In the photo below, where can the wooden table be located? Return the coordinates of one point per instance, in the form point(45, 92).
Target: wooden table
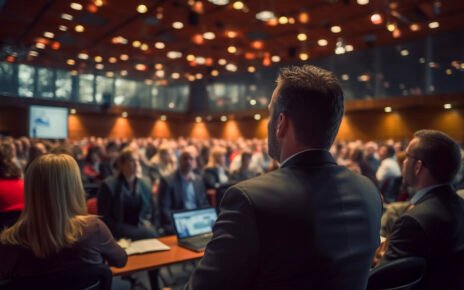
point(154, 260)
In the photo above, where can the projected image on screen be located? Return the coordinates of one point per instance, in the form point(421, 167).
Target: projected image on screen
point(48, 122)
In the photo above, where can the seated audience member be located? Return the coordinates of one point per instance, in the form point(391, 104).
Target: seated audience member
point(163, 162)
point(36, 150)
point(215, 174)
point(361, 166)
point(91, 169)
point(370, 155)
point(244, 172)
point(11, 187)
point(433, 225)
point(108, 164)
point(389, 167)
point(183, 189)
point(54, 231)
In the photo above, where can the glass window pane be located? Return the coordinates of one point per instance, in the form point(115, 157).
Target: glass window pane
point(45, 83)
point(125, 92)
point(63, 85)
point(104, 90)
point(26, 81)
point(171, 98)
point(86, 88)
point(7, 79)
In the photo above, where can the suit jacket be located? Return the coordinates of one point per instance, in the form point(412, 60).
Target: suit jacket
point(111, 207)
point(211, 177)
point(433, 229)
point(171, 197)
point(308, 225)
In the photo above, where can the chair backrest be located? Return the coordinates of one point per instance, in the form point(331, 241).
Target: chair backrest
point(401, 274)
point(9, 218)
point(92, 207)
point(391, 189)
point(83, 277)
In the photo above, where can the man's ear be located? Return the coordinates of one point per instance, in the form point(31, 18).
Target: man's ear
point(418, 167)
point(282, 126)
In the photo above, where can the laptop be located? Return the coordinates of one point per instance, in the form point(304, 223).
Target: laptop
point(194, 227)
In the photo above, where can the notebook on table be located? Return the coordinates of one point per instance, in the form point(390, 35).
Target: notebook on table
point(194, 227)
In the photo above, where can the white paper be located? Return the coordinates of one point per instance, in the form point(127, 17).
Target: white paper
point(145, 246)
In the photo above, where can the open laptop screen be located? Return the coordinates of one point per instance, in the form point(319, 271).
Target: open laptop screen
point(194, 222)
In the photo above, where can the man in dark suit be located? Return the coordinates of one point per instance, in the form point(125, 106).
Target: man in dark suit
point(433, 226)
point(183, 189)
point(310, 224)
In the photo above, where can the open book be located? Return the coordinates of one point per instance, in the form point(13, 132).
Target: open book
point(142, 246)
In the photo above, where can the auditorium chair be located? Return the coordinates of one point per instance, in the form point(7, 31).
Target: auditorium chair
point(401, 274)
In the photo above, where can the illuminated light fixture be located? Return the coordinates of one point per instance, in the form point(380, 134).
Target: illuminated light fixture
point(33, 53)
point(92, 8)
point(340, 50)
point(158, 66)
point(99, 66)
point(200, 60)
point(144, 47)
point(56, 45)
point(110, 74)
point(304, 56)
point(198, 119)
point(174, 54)
point(265, 15)
point(434, 25)
point(160, 45)
point(136, 43)
point(74, 72)
point(209, 118)
point(336, 29)
point(148, 82)
point(291, 20)
point(67, 16)
point(231, 67)
point(98, 3)
point(141, 8)
point(250, 55)
point(238, 5)
point(175, 75)
point(391, 26)
point(171, 105)
point(140, 67)
point(70, 62)
point(124, 115)
point(345, 77)
point(257, 44)
point(83, 56)
point(447, 106)
point(10, 58)
point(209, 35)
point(303, 17)
point(251, 69)
point(160, 74)
point(231, 34)
point(124, 57)
point(396, 33)
point(177, 25)
point(98, 58)
point(257, 117)
point(40, 45)
point(222, 61)
point(387, 109)
point(322, 42)
point(272, 22)
point(404, 52)
point(414, 27)
point(209, 61)
point(253, 102)
point(197, 6)
point(48, 34)
point(283, 20)
point(219, 2)
point(223, 118)
point(119, 39)
point(449, 71)
point(376, 19)
point(76, 6)
point(63, 28)
point(112, 59)
point(349, 48)
point(275, 58)
point(163, 118)
point(198, 39)
point(214, 73)
point(302, 37)
point(364, 78)
point(267, 60)
point(362, 2)
point(190, 57)
point(232, 49)
point(190, 78)
point(199, 76)
point(72, 111)
point(79, 28)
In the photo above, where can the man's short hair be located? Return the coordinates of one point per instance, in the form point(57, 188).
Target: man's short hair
point(312, 99)
point(390, 150)
point(440, 154)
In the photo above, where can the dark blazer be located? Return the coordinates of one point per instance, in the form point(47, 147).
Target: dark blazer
point(171, 197)
point(111, 207)
point(308, 225)
point(433, 229)
point(211, 177)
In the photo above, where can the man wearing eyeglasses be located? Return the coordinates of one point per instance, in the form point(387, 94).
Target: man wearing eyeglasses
point(433, 226)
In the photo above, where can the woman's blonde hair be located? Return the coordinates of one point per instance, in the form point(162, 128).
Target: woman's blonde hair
point(215, 154)
point(55, 210)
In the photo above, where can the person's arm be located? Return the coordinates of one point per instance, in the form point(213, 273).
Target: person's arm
point(110, 250)
point(407, 239)
point(231, 257)
point(165, 205)
point(202, 197)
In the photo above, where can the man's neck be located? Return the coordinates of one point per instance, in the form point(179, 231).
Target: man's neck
point(293, 150)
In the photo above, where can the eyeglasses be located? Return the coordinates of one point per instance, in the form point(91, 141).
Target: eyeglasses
point(414, 157)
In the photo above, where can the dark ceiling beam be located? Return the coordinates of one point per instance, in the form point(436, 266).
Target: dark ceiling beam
point(35, 20)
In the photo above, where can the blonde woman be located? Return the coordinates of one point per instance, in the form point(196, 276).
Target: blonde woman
point(54, 231)
point(215, 172)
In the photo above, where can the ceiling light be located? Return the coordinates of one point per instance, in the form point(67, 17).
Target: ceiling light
point(70, 62)
point(434, 24)
point(257, 117)
point(275, 58)
point(257, 44)
point(79, 28)
point(387, 109)
point(124, 73)
point(110, 74)
point(222, 61)
point(376, 19)
point(76, 6)
point(349, 48)
point(73, 111)
point(144, 47)
point(396, 33)
point(414, 27)
point(163, 118)
point(63, 28)
point(198, 76)
point(48, 34)
point(171, 105)
point(322, 42)
point(158, 66)
point(447, 106)
point(198, 119)
point(140, 67)
point(231, 49)
point(191, 78)
point(99, 66)
point(449, 71)
point(200, 60)
point(124, 57)
point(148, 82)
point(209, 35)
point(362, 2)
point(119, 40)
point(174, 54)
point(340, 50)
point(231, 34)
point(336, 29)
point(136, 43)
point(303, 17)
point(238, 5)
point(190, 57)
point(302, 37)
point(160, 74)
point(251, 69)
point(272, 22)
point(219, 2)
point(283, 20)
point(175, 75)
point(124, 115)
point(141, 8)
point(253, 102)
point(40, 45)
point(112, 59)
point(214, 73)
point(265, 15)
point(178, 25)
point(223, 118)
point(67, 16)
point(83, 56)
point(391, 26)
point(160, 45)
point(33, 53)
point(98, 3)
point(304, 56)
point(404, 52)
point(98, 58)
point(231, 67)
point(345, 77)
point(74, 72)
